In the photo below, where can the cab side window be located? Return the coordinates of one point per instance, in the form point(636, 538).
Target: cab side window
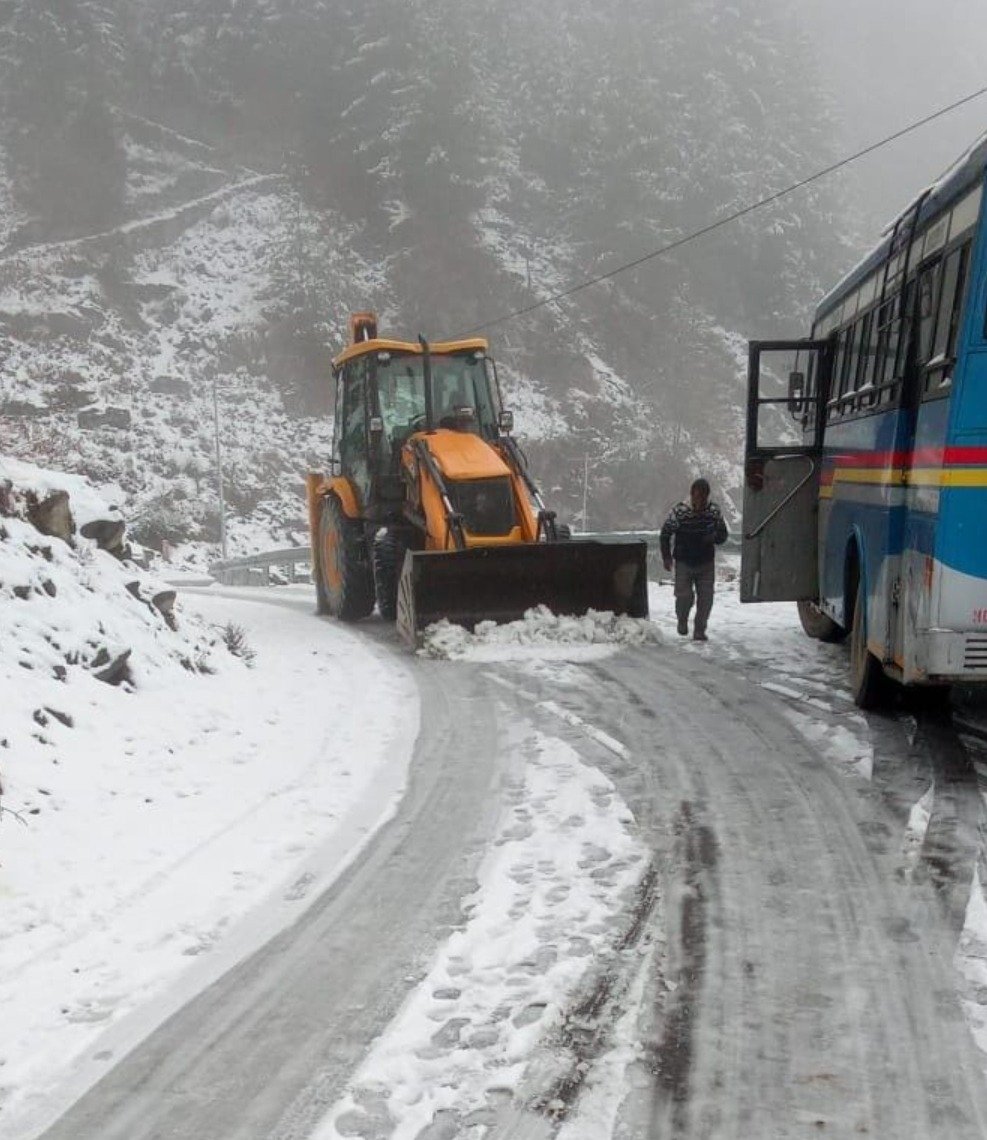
point(353, 432)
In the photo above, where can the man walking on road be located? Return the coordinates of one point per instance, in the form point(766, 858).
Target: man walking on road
point(696, 527)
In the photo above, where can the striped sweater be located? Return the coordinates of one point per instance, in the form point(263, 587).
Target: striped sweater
point(694, 534)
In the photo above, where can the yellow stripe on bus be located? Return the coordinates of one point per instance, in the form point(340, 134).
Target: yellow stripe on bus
point(880, 476)
point(917, 477)
point(955, 477)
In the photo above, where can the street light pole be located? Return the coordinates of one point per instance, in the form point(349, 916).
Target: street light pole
point(585, 489)
point(219, 467)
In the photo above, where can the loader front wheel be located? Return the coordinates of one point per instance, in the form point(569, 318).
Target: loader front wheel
point(388, 559)
point(346, 579)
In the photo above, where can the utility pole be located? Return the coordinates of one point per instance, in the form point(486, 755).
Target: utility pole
point(219, 466)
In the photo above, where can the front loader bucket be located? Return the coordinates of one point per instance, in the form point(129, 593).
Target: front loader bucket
point(500, 583)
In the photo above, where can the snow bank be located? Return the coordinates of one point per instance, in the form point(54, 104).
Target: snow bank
point(155, 833)
point(68, 610)
point(88, 502)
point(539, 633)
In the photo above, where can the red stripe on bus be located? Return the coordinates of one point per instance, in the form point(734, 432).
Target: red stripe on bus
point(921, 457)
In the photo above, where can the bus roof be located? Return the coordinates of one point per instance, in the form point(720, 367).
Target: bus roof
point(960, 177)
point(382, 344)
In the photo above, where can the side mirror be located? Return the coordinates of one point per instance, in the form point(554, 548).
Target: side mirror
point(796, 393)
point(505, 421)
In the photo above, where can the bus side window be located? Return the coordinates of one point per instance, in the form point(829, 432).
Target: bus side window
point(903, 329)
point(839, 367)
point(888, 348)
point(951, 303)
point(865, 371)
point(852, 368)
point(927, 282)
point(939, 373)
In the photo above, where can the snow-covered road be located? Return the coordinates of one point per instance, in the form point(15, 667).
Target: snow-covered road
point(657, 890)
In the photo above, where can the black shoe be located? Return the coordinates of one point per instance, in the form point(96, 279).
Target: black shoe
point(683, 627)
point(697, 636)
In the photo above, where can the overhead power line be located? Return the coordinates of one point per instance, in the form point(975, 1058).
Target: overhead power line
point(725, 221)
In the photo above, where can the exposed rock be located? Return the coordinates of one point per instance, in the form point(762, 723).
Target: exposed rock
point(23, 409)
point(164, 603)
point(6, 498)
point(68, 325)
point(170, 386)
point(117, 671)
point(52, 515)
point(70, 395)
point(139, 556)
point(103, 417)
point(106, 533)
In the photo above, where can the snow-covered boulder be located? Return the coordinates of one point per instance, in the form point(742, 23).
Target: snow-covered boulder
point(67, 605)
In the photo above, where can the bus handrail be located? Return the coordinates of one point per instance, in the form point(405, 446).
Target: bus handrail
point(788, 498)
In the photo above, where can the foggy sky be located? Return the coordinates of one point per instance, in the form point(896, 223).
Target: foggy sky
point(886, 63)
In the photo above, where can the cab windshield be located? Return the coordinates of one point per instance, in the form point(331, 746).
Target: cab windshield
point(458, 380)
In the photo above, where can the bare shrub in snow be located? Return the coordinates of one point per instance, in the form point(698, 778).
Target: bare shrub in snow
point(235, 641)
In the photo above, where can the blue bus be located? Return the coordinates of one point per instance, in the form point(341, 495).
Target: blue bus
point(865, 482)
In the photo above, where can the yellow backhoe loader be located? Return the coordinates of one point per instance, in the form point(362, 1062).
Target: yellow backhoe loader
point(429, 509)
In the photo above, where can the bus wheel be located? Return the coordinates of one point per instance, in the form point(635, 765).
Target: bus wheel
point(868, 682)
point(819, 625)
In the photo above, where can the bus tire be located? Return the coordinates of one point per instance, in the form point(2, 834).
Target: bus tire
point(868, 683)
point(819, 625)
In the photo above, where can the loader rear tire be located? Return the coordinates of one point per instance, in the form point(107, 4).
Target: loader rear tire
point(388, 559)
point(346, 579)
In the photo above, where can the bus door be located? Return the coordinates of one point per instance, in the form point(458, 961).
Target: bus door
point(788, 385)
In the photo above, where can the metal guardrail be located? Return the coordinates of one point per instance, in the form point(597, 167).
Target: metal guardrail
point(656, 570)
point(294, 563)
point(271, 567)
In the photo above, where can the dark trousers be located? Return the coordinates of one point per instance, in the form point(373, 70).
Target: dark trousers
point(694, 584)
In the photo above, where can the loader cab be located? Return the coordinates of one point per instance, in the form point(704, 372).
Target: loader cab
point(386, 391)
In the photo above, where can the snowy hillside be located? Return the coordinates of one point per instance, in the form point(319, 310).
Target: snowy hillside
point(140, 816)
point(77, 619)
point(205, 194)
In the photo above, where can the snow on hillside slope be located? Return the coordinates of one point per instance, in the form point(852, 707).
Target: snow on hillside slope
point(141, 825)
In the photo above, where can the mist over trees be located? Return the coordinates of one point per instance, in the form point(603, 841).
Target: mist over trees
point(450, 162)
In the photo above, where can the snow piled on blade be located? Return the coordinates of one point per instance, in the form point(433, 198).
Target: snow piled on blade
point(540, 633)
